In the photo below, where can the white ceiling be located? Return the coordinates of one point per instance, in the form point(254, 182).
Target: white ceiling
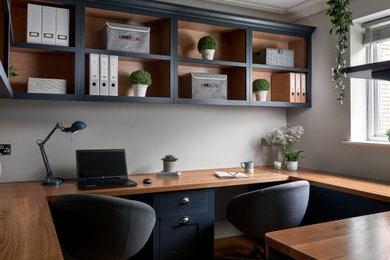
point(275, 6)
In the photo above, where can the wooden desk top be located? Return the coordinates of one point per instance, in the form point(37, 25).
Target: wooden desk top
point(365, 237)
point(24, 209)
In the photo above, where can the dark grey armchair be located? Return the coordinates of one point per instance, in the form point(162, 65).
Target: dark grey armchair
point(101, 227)
point(278, 207)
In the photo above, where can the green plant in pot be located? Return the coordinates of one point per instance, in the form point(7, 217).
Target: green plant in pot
point(140, 81)
point(261, 87)
point(11, 72)
point(285, 138)
point(169, 163)
point(388, 134)
point(207, 46)
point(341, 20)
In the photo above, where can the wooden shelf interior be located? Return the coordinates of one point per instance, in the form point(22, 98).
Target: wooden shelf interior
point(19, 18)
point(158, 69)
point(95, 19)
point(231, 41)
point(265, 74)
point(41, 64)
point(236, 82)
point(262, 40)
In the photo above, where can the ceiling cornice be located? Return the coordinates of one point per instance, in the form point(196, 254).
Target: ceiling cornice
point(251, 4)
point(305, 9)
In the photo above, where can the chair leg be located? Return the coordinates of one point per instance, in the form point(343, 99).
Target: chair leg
point(256, 252)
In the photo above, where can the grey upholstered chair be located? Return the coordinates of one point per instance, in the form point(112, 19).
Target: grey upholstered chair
point(101, 227)
point(277, 207)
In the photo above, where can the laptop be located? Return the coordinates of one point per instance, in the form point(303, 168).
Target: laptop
point(104, 168)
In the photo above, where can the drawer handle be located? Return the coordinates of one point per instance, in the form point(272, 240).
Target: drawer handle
point(184, 200)
point(184, 220)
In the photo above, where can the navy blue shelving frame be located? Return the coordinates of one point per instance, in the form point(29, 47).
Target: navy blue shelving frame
point(174, 13)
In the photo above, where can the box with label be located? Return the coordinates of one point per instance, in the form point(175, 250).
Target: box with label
point(276, 57)
point(125, 37)
point(48, 86)
point(204, 86)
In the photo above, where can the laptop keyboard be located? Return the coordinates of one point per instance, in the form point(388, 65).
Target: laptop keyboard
point(106, 184)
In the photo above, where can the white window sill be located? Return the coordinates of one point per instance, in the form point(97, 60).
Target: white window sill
point(367, 143)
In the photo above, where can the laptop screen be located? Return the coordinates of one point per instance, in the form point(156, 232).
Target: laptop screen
point(101, 163)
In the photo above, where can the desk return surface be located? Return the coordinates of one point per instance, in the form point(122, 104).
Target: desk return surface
point(27, 230)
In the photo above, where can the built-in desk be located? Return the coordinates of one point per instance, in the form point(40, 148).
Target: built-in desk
point(364, 237)
point(27, 231)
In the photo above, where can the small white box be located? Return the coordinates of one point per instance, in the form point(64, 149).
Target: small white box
point(48, 86)
point(113, 78)
point(34, 23)
point(103, 90)
point(48, 25)
point(94, 74)
point(62, 27)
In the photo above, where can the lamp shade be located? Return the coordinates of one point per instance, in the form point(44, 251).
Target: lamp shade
point(77, 126)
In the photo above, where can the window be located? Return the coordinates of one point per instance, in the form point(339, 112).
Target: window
point(377, 39)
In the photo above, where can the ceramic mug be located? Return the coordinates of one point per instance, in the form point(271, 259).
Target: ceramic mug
point(248, 166)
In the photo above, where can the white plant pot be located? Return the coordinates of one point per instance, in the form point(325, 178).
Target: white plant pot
point(292, 166)
point(261, 95)
point(169, 167)
point(388, 138)
point(207, 54)
point(139, 90)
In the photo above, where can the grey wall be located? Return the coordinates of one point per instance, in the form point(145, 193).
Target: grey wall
point(201, 136)
point(327, 123)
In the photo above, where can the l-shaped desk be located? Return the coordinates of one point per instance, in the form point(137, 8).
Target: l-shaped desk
point(27, 230)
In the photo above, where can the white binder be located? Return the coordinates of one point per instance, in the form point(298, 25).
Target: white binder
point(34, 23)
point(48, 25)
point(62, 27)
point(94, 74)
point(298, 87)
point(293, 94)
point(113, 78)
point(103, 90)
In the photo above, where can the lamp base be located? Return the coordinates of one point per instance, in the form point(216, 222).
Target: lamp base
point(52, 182)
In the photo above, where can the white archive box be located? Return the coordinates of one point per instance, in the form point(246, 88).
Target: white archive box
point(113, 78)
point(48, 86)
point(48, 25)
point(34, 23)
point(94, 74)
point(62, 27)
point(103, 80)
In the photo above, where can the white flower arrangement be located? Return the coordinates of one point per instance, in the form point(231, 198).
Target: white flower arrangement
point(285, 138)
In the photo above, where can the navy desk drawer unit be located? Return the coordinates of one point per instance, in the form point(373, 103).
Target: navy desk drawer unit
point(185, 225)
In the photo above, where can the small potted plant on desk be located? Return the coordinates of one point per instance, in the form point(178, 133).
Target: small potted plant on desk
point(388, 134)
point(140, 81)
point(207, 46)
point(169, 163)
point(261, 87)
point(285, 138)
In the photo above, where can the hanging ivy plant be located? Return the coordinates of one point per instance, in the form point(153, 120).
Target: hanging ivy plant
point(341, 19)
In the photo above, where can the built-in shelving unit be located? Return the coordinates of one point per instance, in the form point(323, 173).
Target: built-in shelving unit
point(174, 34)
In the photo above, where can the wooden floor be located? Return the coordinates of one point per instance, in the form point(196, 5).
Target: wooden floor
point(234, 247)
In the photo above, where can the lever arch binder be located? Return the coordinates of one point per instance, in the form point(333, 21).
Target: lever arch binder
point(48, 25)
point(283, 87)
point(113, 78)
point(298, 87)
point(303, 88)
point(103, 90)
point(94, 74)
point(34, 23)
point(62, 27)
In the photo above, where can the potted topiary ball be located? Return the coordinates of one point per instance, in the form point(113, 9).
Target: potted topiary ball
point(261, 87)
point(169, 163)
point(207, 46)
point(140, 81)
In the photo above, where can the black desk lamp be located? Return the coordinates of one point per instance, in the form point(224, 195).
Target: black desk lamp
point(76, 126)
